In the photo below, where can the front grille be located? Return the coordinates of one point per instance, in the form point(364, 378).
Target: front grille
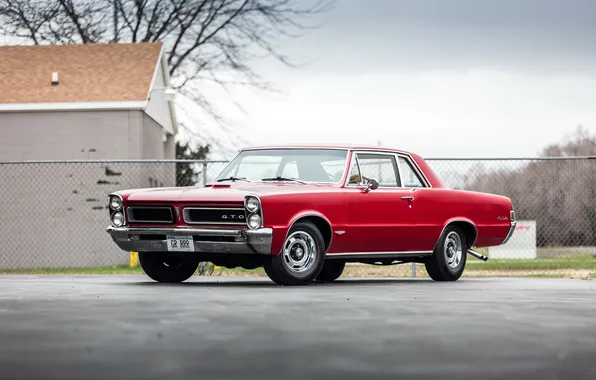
point(215, 215)
point(150, 214)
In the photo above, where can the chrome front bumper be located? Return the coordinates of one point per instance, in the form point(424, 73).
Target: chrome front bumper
point(205, 240)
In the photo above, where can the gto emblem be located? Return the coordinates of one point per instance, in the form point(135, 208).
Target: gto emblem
point(502, 218)
point(232, 216)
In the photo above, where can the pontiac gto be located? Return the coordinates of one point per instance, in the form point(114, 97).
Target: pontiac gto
point(302, 213)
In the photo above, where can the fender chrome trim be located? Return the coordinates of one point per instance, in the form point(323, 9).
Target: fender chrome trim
point(375, 255)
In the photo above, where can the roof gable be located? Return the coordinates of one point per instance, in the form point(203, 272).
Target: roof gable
point(113, 72)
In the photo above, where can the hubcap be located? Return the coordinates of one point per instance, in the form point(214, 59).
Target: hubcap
point(453, 249)
point(300, 252)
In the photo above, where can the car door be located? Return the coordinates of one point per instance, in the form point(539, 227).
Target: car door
point(379, 220)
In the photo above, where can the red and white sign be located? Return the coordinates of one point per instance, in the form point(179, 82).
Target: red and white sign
point(521, 245)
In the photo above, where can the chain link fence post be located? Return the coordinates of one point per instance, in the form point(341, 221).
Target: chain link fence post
point(205, 164)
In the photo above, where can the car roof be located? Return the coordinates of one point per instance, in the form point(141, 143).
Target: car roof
point(319, 146)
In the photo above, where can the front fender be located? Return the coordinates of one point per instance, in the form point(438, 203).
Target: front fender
point(280, 233)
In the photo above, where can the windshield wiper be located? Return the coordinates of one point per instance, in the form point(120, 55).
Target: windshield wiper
point(233, 179)
point(278, 178)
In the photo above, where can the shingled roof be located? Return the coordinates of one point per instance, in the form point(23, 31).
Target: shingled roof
point(112, 72)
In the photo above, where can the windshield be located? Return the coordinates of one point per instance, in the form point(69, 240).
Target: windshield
point(308, 165)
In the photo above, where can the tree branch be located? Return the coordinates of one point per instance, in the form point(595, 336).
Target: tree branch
point(205, 41)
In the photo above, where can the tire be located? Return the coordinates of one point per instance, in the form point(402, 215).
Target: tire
point(167, 267)
point(446, 264)
point(331, 271)
point(301, 258)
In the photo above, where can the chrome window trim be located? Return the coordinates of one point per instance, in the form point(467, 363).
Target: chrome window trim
point(186, 210)
point(347, 151)
point(401, 177)
point(355, 158)
point(130, 210)
point(425, 182)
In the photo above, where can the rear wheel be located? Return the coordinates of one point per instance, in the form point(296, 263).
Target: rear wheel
point(331, 271)
point(168, 267)
point(301, 258)
point(449, 258)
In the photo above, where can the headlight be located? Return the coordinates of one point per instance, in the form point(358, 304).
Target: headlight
point(115, 202)
point(252, 204)
point(254, 221)
point(118, 219)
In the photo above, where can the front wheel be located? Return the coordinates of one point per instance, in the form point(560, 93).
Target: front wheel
point(301, 258)
point(449, 258)
point(168, 267)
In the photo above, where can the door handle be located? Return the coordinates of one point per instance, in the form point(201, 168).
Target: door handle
point(408, 198)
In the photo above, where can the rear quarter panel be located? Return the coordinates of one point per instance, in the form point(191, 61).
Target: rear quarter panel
point(489, 213)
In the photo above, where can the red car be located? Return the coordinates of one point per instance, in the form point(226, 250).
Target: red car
point(303, 212)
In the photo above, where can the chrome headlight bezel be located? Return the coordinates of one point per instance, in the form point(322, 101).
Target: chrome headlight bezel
point(120, 217)
point(249, 210)
point(257, 219)
point(116, 206)
point(252, 204)
point(115, 202)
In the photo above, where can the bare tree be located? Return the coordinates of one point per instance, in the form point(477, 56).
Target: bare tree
point(205, 40)
point(559, 194)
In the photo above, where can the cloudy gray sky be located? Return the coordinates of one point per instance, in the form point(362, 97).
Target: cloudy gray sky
point(444, 78)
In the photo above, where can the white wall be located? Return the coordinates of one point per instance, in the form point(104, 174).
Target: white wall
point(158, 108)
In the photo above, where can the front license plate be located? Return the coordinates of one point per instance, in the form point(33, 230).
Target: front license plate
point(180, 243)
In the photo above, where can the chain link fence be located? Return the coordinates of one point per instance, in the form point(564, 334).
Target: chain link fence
point(54, 213)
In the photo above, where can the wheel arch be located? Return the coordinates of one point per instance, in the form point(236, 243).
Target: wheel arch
point(319, 220)
point(469, 228)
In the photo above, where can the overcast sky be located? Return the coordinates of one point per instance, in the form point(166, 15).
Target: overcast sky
point(444, 78)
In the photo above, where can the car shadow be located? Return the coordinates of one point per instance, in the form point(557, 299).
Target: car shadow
point(210, 282)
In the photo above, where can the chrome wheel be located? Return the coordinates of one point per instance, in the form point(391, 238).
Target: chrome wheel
point(300, 252)
point(453, 249)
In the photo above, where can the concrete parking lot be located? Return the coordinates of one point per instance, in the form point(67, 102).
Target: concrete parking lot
point(126, 327)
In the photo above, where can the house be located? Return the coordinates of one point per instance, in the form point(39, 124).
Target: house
point(101, 105)
point(91, 101)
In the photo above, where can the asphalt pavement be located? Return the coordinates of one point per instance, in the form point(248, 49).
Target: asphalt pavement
point(127, 327)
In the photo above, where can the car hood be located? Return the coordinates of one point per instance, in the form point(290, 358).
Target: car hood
point(220, 192)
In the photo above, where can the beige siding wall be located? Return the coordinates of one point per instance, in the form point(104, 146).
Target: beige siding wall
point(54, 214)
point(157, 146)
point(67, 135)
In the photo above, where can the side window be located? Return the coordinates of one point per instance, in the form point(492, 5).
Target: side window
point(381, 167)
point(408, 174)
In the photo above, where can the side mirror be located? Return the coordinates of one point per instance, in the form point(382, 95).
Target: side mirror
point(372, 184)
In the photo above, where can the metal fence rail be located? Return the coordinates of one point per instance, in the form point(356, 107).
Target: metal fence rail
point(54, 212)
